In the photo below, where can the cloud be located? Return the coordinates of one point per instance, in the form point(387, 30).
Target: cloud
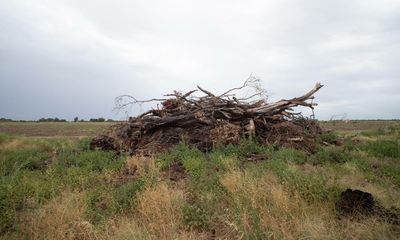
point(71, 58)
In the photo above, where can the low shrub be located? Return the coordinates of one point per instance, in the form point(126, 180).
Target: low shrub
point(195, 167)
point(194, 217)
point(330, 155)
point(99, 204)
point(178, 154)
point(124, 197)
point(312, 187)
point(329, 137)
point(103, 201)
point(12, 161)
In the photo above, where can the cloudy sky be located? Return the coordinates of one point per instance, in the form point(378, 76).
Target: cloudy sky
point(67, 58)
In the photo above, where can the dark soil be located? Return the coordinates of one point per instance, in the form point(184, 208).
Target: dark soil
point(356, 204)
point(175, 172)
point(355, 201)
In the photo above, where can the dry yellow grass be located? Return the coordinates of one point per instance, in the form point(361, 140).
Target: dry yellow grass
point(286, 216)
point(140, 165)
point(60, 218)
point(159, 208)
point(160, 212)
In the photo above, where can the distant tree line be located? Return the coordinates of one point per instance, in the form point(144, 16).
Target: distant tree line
point(51, 120)
point(6, 120)
point(94, 120)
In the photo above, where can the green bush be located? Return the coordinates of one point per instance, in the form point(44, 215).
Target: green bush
point(310, 187)
point(8, 204)
point(84, 144)
point(349, 145)
point(391, 171)
point(77, 177)
point(99, 204)
point(12, 161)
point(91, 160)
point(125, 196)
point(195, 167)
point(329, 137)
point(178, 154)
point(195, 217)
point(290, 155)
point(103, 202)
point(16, 189)
point(330, 155)
point(383, 148)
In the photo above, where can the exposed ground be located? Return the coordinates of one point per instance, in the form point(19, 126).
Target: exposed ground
point(56, 188)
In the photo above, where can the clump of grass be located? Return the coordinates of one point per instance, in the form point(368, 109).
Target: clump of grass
point(125, 195)
point(312, 187)
point(349, 145)
point(195, 217)
point(25, 191)
point(4, 138)
point(258, 205)
point(330, 155)
point(8, 206)
point(61, 218)
point(178, 154)
point(99, 204)
point(290, 155)
point(31, 159)
point(195, 167)
point(245, 147)
point(90, 160)
point(392, 171)
point(383, 148)
point(84, 144)
point(159, 208)
point(103, 202)
point(330, 137)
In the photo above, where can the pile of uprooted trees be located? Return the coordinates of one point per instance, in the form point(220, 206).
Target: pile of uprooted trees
point(210, 120)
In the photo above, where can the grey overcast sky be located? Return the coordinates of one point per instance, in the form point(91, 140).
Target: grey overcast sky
point(67, 58)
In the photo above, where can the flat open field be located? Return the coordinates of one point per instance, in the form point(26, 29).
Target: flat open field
point(52, 186)
point(357, 126)
point(53, 129)
point(89, 129)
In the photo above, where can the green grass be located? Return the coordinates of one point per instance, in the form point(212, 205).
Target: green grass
point(287, 194)
point(383, 148)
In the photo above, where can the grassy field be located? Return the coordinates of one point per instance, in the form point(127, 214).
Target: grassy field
point(358, 126)
point(56, 188)
point(53, 129)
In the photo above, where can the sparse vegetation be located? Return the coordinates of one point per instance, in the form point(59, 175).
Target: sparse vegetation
point(59, 189)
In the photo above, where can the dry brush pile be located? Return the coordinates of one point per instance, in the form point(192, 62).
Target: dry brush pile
point(214, 119)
